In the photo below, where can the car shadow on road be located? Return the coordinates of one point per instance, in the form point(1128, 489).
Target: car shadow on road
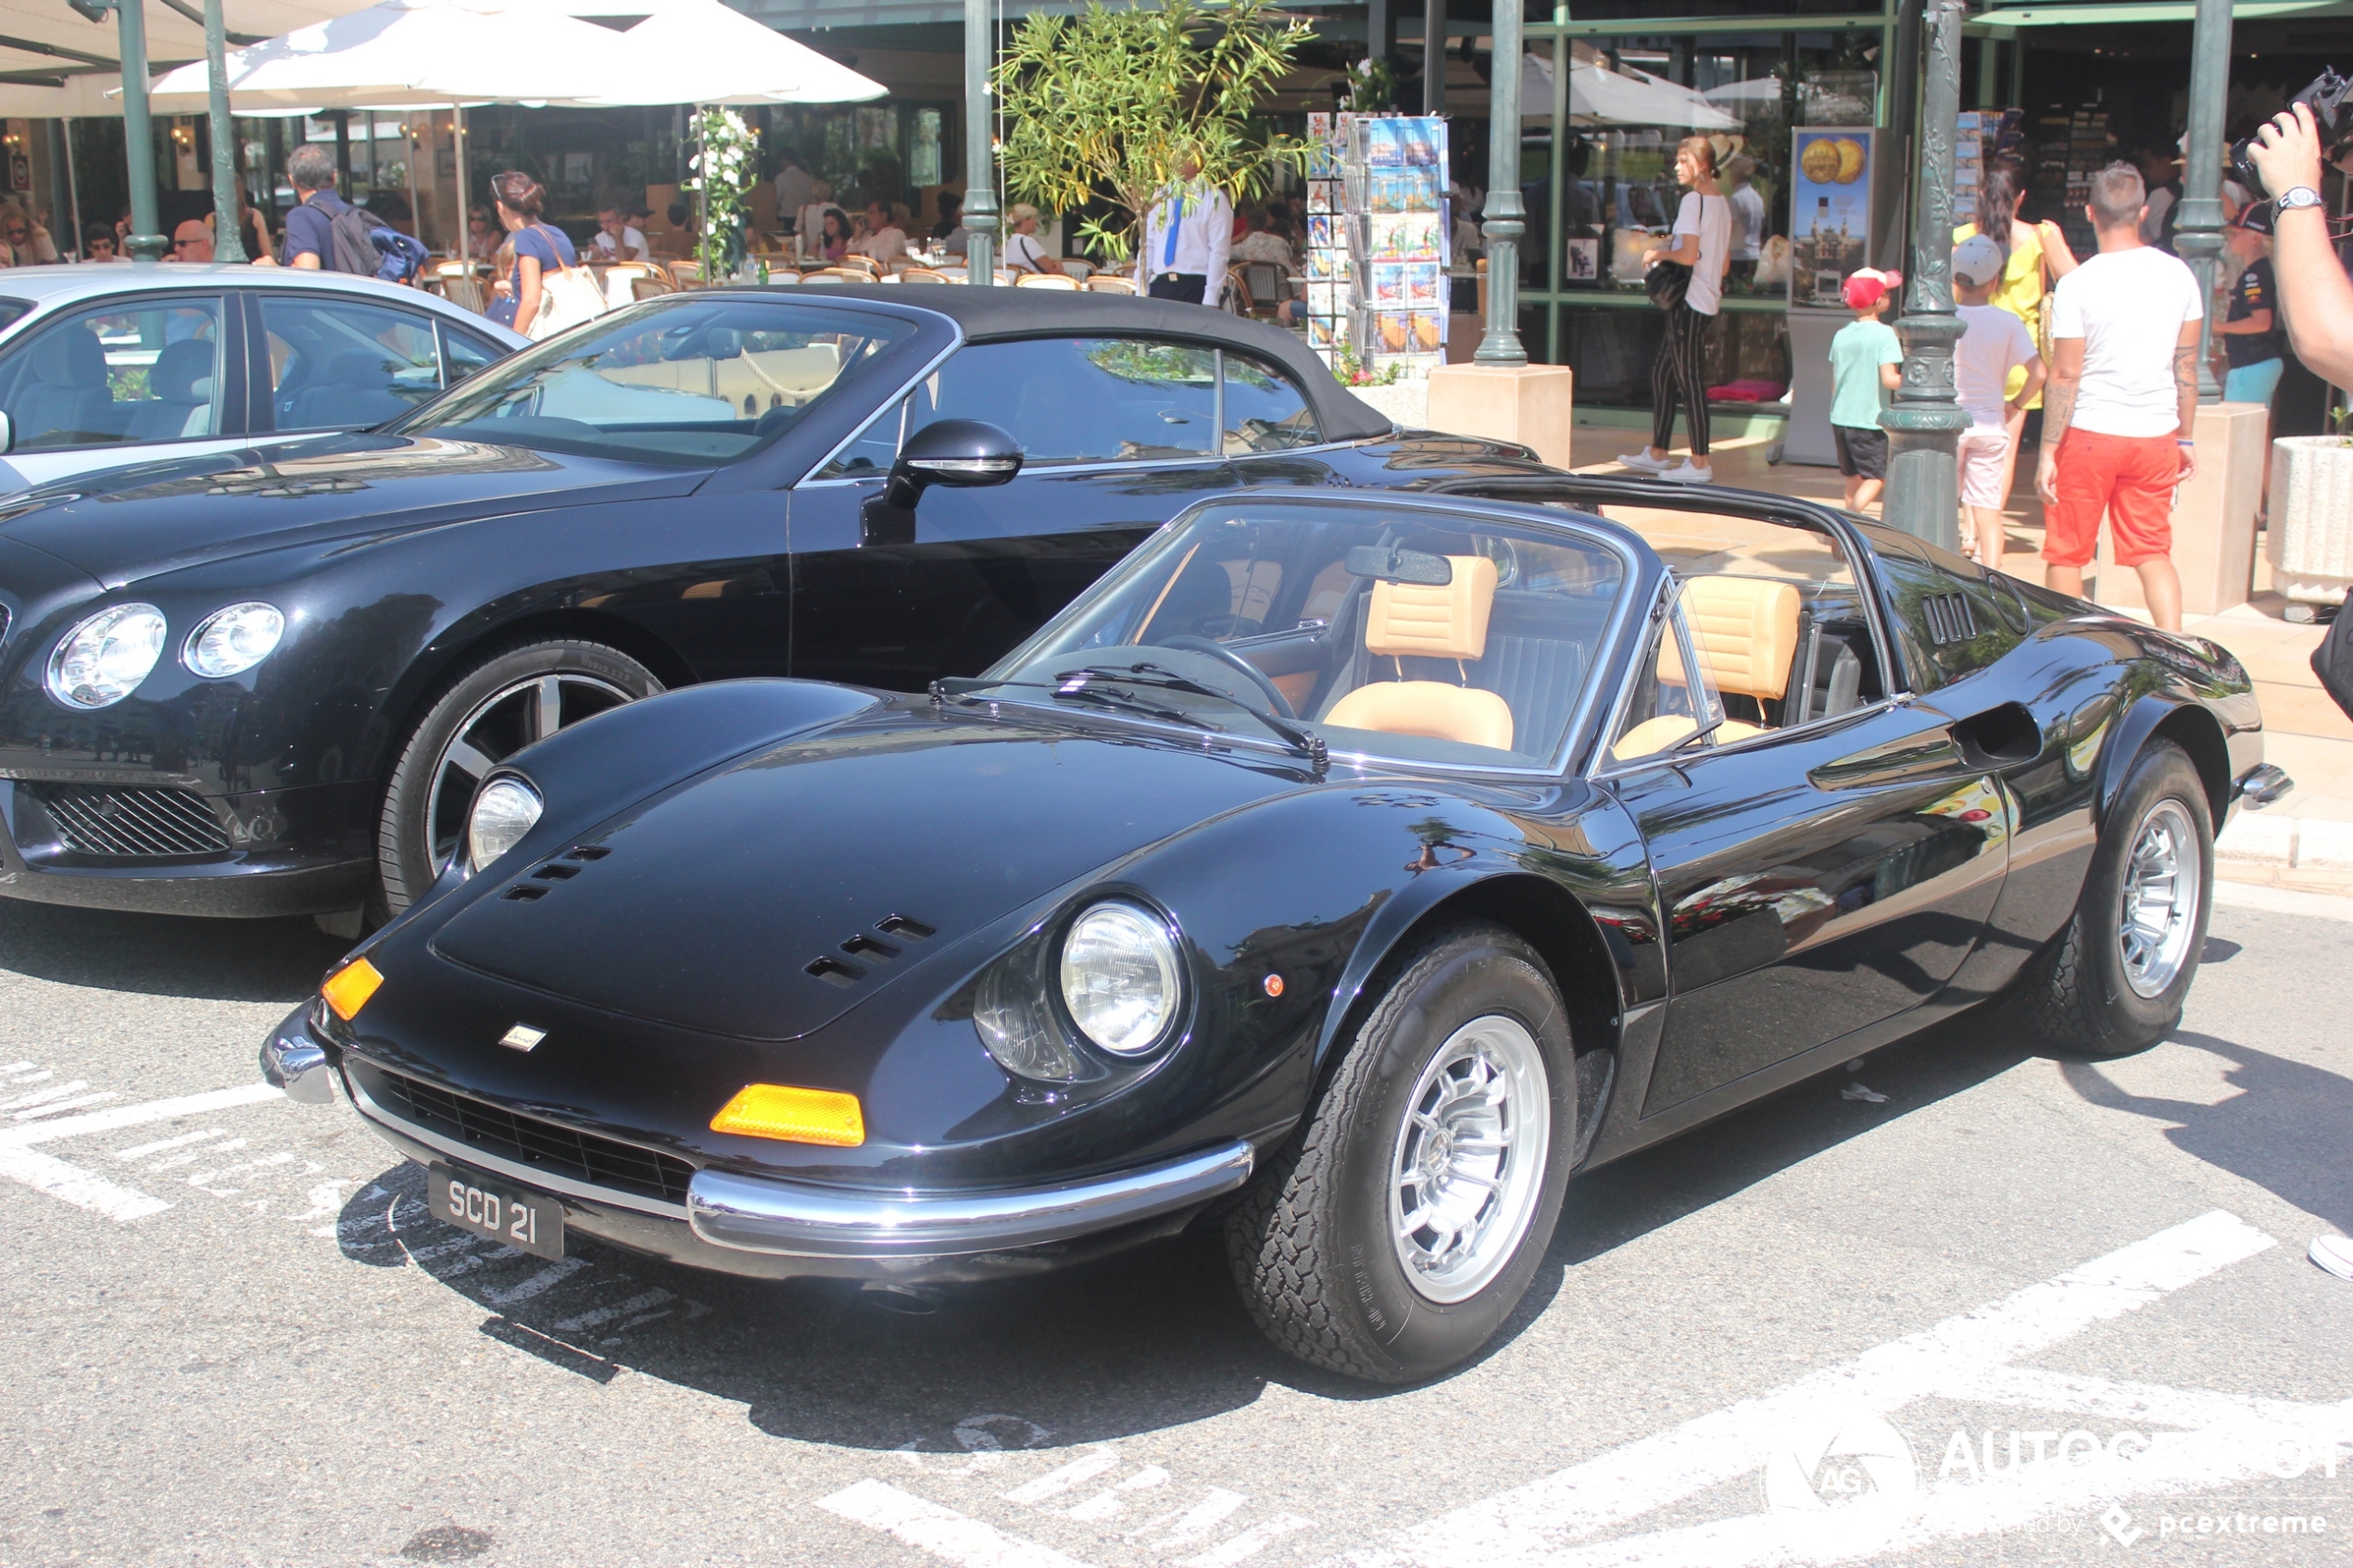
point(2284, 1128)
point(222, 960)
point(1153, 1338)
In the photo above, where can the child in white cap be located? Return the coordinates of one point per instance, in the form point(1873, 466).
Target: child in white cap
point(1993, 343)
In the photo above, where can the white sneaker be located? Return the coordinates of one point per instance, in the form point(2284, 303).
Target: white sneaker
point(2333, 1253)
point(1689, 474)
point(1643, 461)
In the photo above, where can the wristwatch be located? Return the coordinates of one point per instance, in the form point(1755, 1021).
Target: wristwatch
point(2302, 195)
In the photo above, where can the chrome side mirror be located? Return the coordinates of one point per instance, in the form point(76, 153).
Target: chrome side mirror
point(961, 454)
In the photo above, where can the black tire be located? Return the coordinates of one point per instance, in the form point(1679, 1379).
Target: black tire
point(1311, 1240)
point(2079, 995)
point(423, 791)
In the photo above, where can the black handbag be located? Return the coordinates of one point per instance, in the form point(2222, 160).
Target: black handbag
point(1666, 282)
point(2333, 660)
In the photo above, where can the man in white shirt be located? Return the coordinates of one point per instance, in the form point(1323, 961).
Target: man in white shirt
point(884, 241)
point(618, 240)
point(1993, 344)
point(795, 188)
point(1187, 235)
point(2122, 406)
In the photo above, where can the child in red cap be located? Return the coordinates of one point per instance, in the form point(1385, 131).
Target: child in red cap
point(1865, 357)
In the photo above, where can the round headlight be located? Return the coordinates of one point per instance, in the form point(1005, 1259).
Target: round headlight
point(233, 641)
point(1120, 978)
point(103, 660)
point(504, 812)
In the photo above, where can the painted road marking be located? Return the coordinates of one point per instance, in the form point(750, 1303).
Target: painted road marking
point(45, 1095)
point(87, 1189)
point(1534, 1523)
point(1077, 1472)
point(941, 1531)
point(83, 1190)
point(1250, 1543)
point(139, 1151)
point(136, 1115)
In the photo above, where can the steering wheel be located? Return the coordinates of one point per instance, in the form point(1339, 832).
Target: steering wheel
point(1226, 656)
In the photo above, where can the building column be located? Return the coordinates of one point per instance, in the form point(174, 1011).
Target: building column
point(1925, 423)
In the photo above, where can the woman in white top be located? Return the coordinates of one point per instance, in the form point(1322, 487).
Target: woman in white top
point(1703, 236)
point(1022, 253)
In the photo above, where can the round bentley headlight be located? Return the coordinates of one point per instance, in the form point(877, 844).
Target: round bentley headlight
point(103, 660)
point(1120, 978)
point(504, 812)
point(231, 641)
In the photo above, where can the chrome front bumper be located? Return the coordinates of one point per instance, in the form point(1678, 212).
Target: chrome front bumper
point(292, 1061)
point(756, 1214)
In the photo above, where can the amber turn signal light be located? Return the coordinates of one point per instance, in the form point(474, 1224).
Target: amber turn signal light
point(348, 988)
point(789, 1115)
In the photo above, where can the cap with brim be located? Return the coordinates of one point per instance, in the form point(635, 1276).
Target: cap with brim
point(1978, 260)
point(2255, 218)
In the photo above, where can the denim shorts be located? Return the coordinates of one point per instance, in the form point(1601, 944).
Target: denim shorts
point(2253, 383)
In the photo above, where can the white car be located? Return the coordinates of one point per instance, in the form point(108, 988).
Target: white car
point(105, 365)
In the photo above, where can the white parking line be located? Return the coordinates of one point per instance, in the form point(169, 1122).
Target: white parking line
point(1077, 1472)
point(45, 1095)
point(140, 1150)
point(941, 1531)
point(137, 1115)
point(83, 1190)
point(1534, 1522)
point(1249, 1542)
point(86, 1189)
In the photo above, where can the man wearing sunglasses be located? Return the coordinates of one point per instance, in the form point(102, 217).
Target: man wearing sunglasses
point(191, 241)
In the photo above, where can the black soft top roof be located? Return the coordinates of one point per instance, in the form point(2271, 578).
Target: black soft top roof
point(989, 314)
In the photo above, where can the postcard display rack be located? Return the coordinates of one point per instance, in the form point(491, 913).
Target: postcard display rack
point(1377, 231)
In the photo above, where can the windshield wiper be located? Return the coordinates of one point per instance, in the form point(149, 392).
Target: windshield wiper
point(1145, 674)
point(957, 688)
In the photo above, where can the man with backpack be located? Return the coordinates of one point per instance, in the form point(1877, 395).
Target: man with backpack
point(325, 232)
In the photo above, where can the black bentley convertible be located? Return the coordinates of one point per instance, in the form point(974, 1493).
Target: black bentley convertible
point(1346, 870)
point(269, 682)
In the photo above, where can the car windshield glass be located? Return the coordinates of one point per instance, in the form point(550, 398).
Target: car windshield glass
point(13, 310)
point(1422, 636)
point(690, 382)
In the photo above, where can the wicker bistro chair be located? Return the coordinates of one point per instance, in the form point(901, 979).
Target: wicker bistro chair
point(1263, 288)
point(686, 274)
point(1044, 281)
point(925, 275)
point(1104, 282)
point(650, 288)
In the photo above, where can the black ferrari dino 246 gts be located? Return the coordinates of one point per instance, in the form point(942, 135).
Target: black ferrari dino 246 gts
point(1344, 870)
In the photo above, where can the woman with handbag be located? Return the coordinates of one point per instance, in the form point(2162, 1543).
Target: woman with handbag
point(539, 251)
point(1686, 282)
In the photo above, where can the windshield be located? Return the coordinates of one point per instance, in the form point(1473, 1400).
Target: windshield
point(1422, 636)
point(684, 381)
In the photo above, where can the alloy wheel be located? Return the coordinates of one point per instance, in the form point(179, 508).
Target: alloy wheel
point(1470, 1158)
point(2163, 877)
point(500, 725)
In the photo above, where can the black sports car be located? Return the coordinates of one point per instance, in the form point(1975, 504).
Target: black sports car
point(268, 683)
point(1353, 868)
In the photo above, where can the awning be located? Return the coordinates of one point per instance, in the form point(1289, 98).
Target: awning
point(2099, 15)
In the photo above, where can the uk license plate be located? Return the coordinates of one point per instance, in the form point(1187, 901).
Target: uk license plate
point(524, 1221)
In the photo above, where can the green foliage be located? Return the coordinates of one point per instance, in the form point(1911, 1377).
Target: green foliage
point(1349, 370)
point(1112, 103)
point(724, 168)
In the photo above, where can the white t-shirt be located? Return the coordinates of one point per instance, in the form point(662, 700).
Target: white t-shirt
point(1993, 342)
point(1711, 218)
point(2128, 306)
point(1749, 207)
point(631, 247)
point(1022, 252)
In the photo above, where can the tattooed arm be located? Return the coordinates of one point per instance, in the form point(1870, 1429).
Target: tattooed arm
point(2058, 408)
point(2185, 392)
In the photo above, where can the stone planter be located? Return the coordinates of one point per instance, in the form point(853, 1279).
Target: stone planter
point(2312, 533)
point(1407, 402)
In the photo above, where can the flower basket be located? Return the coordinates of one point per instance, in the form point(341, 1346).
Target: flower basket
point(2311, 544)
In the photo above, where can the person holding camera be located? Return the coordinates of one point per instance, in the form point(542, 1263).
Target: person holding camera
point(2314, 294)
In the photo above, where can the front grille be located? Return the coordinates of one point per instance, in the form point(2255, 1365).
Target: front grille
point(526, 1140)
point(97, 821)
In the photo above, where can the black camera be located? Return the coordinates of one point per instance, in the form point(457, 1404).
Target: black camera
point(2330, 97)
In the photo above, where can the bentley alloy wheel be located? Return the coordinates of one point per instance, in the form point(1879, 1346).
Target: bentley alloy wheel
point(2160, 899)
point(2113, 981)
point(484, 714)
point(1394, 1233)
point(1471, 1158)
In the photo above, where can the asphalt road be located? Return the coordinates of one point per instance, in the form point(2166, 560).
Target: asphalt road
point(1814, 1332)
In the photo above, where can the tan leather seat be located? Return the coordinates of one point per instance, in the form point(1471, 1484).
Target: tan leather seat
point(1745, 629)
point(1417, 621)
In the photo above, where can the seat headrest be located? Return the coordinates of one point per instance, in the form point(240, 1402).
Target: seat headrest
point(1417, 621)
point(70, 357)
point(1746, 630)
point(357, 368)
point(182, 372)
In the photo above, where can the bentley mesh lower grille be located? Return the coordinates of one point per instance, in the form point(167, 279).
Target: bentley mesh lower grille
point(526, 1140)
point(98, 821)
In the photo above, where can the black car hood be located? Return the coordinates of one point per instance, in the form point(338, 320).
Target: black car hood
point(121, 525)
point(715, 897)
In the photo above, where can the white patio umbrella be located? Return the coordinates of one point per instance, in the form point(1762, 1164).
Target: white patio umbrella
point(1598, 95)
point(410, 54)
point(702, 52)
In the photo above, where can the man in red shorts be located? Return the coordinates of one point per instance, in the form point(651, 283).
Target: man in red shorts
point(2121, 403)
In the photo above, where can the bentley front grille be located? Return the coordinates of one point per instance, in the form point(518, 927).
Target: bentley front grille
point(94, 820)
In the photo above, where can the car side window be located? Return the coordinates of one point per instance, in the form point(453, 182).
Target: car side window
point(1949, 617)
point(346, 363)
point(117, 374)
point(1081, 401)
point(462, 354)
point(1264, 410)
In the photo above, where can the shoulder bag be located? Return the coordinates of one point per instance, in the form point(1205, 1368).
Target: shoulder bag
point(568, 295)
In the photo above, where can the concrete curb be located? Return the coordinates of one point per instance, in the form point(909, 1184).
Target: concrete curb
point(2288, 843)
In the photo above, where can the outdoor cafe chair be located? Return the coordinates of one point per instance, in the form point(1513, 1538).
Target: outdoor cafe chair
point(1105, 283)
point(1044, 281)
point(923, 275)
point(650, 288)
point(1263, 288)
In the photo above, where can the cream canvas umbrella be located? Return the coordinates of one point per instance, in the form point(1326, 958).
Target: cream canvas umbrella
point(702, 52)
point(1598, 95)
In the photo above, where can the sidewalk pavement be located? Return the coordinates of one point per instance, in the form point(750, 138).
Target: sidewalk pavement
point(2305, 840)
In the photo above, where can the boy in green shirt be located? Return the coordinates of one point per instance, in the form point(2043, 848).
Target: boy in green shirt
point(1865, 357)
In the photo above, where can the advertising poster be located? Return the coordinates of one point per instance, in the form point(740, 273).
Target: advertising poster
point(1829, 212)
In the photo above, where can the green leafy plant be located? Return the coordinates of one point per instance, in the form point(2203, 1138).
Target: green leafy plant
point(1349, 370)
point(1111, 106)
point(725, 159)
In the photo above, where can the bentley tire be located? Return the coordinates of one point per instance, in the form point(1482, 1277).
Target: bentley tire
point(2114, 981)
point(488, 710)
point(1399, 1227)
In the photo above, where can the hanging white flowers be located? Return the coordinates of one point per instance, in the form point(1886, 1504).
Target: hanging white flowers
point(726, 154)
